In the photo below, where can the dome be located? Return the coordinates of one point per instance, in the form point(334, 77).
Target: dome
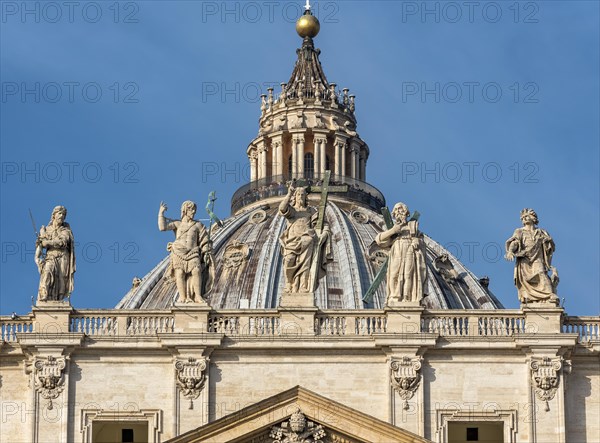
point(307, 133)
point(249, 265)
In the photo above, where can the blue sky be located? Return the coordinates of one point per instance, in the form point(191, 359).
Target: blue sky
point(470, 115)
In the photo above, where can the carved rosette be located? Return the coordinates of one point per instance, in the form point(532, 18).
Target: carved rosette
point(545, 378)
point(49, 377)
point(190, 377)
point(405, 377)
point(298, 429)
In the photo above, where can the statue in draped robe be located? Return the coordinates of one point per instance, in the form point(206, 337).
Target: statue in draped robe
point(407, 272)
point(55, 258)
point(533, 248)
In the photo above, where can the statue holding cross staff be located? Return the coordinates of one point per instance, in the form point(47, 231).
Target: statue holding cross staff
point(302, 241)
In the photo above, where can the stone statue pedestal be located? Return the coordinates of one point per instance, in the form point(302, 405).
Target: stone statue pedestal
point(54, 304)
point(52, 316)
point(394, 303)
point(191, 317)
point(297, 314)
point(404, 318)
point(297, 300)
point(202, 303)
point(543, 317)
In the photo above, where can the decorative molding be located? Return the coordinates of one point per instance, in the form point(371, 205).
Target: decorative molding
point(507, 416)
point(151, 416)
point(405, 377)
point(298, 429)
point(190, 377)
point(49, 377)
point(545, 377)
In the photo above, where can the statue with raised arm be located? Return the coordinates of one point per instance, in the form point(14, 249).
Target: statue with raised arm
point(407, 272)
point(300, 241)
point(533, 248)
point(191, 264)
point(55, 258)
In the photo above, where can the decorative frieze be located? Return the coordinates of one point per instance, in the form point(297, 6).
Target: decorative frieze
point(49, 377)
point(405, 377)
point(190, 377)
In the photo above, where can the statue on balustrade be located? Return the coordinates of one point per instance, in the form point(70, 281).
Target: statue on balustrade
point(192, 265)
point(533, 248)
point(303, 246)
point(407, 272)
point(55, 258)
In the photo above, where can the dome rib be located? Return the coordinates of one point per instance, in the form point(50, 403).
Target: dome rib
point(259, 278)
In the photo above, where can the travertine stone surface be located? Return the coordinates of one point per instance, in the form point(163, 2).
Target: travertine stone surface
point(151, 374)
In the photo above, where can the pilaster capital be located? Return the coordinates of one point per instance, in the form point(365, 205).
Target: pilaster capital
point(298, 138)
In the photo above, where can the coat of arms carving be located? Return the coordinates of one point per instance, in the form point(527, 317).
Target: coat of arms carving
point(49, 377)
point(190, 377)
point(545, 378)
point(406, 377)
point(298, 429)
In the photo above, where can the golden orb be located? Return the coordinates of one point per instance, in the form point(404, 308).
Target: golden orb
point(308, 26)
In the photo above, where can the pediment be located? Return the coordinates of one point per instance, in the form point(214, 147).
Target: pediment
point(298, 415)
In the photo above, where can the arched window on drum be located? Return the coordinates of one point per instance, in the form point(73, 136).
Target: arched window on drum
point(309, 165)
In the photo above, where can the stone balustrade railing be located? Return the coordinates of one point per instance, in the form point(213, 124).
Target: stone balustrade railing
point(120, 322)
point(350, 322)
point(95, 322)
point(253, 323)
point(588, 328)
point(505, 323)
point(269, 323)
point(10, 326)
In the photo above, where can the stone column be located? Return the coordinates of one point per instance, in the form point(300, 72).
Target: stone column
point(317, 156)
point(355, 147)
point(253, 166)
point(263, 163)
point(294, 171)
point(340, 155)
point(344, 149)
point(261, 170)
point(323, 157)
point(321, 139)
point(277, 143)
point(300, 156)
